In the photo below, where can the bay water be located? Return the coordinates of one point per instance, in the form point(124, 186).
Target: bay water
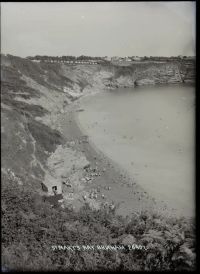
point(150, 133)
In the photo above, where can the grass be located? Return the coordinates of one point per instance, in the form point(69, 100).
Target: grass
point(47, 138)
point(31, 227)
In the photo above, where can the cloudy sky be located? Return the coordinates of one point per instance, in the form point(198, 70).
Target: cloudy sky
point(98, 28)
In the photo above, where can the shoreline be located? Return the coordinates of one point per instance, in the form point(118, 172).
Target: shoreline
point(128, 196)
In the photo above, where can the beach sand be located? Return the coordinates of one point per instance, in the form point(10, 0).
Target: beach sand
point(114, 184)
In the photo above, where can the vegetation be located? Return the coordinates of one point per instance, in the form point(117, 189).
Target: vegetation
point(30, 227)
point(63, 58)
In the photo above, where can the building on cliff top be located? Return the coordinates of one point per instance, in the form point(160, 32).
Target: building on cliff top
point(136, 58)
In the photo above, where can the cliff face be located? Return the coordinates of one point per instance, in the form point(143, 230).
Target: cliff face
point(34, 95)
point(153, 73)
point(78, 79)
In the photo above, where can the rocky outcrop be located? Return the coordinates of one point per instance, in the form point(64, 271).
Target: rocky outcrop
point(187, 70)
point(143, 82)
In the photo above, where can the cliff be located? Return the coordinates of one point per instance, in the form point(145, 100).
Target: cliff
point(34, 95)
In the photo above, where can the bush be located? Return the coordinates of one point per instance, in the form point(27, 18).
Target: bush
point(30, 227)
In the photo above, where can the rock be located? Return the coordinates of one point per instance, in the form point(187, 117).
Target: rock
point(86, 166)
point(79, 110)
point(63, 176)
point(72, 143)
point(112, 206)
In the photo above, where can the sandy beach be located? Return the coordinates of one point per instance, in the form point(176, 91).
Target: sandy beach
point(114, 184)
point(148, 132)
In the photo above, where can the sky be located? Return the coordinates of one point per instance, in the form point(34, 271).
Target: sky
point(98, 28)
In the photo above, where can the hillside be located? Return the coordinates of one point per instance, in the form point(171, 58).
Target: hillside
point(34, 98)
point(34, 95)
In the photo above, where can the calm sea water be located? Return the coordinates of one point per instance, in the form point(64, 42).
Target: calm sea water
point(150, 133)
